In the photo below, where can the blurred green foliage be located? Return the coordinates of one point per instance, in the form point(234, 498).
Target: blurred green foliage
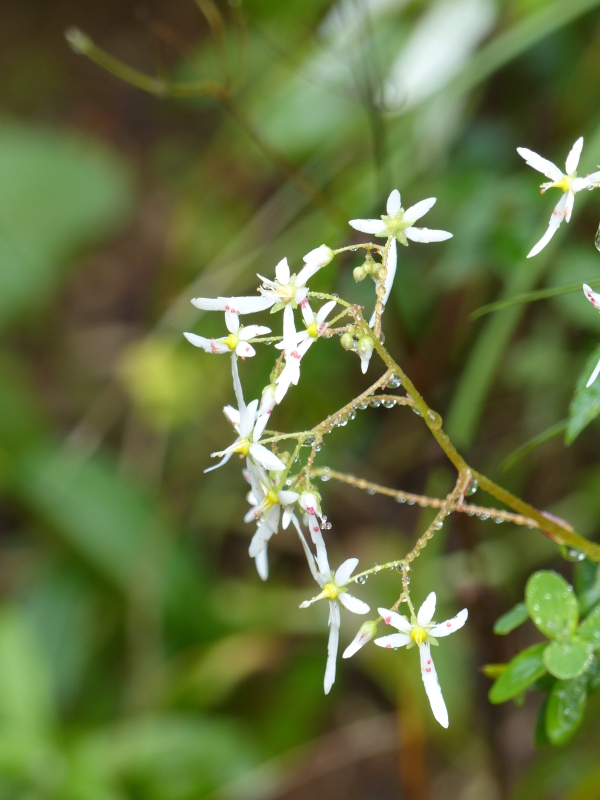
point(140, 656)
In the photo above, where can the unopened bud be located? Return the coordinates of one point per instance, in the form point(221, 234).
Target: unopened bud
point(365, 633)
point(319, 257)
point(267, 400)
point(359, 274)
point(365, 351)
point(347, 341)
point(310, 502)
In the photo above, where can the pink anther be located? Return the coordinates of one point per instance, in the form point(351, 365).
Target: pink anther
point(388, 646)
point(387, 620)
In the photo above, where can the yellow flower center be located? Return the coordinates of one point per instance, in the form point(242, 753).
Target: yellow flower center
point(313, 330)
point(271, 498)
point(243, 447)
point(231, 341)
point(418, 635)
point(330, 590)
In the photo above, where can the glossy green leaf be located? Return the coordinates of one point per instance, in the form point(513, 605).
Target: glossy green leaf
point(59, 192)
point(564, 712)
point(593, 676)
point(552, 604)
point(589, 630)
point(568, 659)
point(520, 673)
point(512, 619)
point(585, 405)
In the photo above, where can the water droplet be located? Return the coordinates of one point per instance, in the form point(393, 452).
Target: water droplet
point(389, 403)
point(362, 406)
point(362, 580)
point(375, 403)
point(434, 419)
point(394, 382)
point(371, 492)
point(498, 520)
point(289, 482)
point(415, 411)
point(401, 499)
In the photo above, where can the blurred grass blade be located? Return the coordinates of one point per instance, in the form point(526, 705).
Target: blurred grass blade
point(585, 405)
point(532, 444)
point(531, 297)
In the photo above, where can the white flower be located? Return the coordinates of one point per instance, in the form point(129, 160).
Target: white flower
point(333, 586)
point(423, 633)
point(319, 257)
point(567, 181)
point(287, 288)
point(249, 427)
point(293, 355)
point(267, 501)
point(399, 223)
point(236, 341)
point(365, 633)
point(594, 299)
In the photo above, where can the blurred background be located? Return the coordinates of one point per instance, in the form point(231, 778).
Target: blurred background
point(141, 658)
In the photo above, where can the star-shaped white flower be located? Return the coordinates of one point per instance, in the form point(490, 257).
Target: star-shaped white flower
point(333, 588)
point(249, 427)
point(423, 633)
point(594, 299)
point(237, 341)
point(286, 288)
point(268, 501)
point(567, 181)
point(293, 355)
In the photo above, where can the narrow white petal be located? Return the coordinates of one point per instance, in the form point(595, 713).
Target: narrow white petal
point(375, 227)
point(419, 210)
point(569, 206)
point(262, 536)
point(317, 537)
point(289, 328)
point(232, 321)
point(244, 350)
point(259, 427)
point(309, 556)
point(237, 388)
point(427, 610)
point(432, 686)
point(233, 416)
point(240, 305)
point(332, 645)
point(262, 564)
point(221, 463)
point(247, 419)
point(265, 457)
point(395, 620)
point(283, 384)
point(391, 270)
point(251, 514)
point(542, 165)
point(353, 604)
point(542, 242)
point(393, 203)
point(574, 156)
point(250, 331)
point(592, 296)
point(345, 570)
point(325, 310)
point(287, 498)
point(286, 518)
point(210, 303)
point(594, 375)
point(364, 635)
point(393, 640)
point(308, 315)
point(282, 271)
point(450, 625)
point(208, 345)
point(305, 274)
point(582, 183)
point(425, 235)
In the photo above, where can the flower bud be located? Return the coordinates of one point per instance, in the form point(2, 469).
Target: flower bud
point(365, 633)
point(319, 257)
point(365, 351)
point(267, 400)
point(311, 503)
point(359, 274)
point(347, 341)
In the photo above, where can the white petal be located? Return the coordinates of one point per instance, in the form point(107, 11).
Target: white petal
point(287, 517)
point(317, 537)
point(432, 686)
point(283, 384)
point(251, 514)
point(265, 530)
point(289, 328)
point(221, 463)
point(210, 303)
point(364, 635)
point(282, 271)
point(237, 388)
point(332, 645)
point(244, 350)
point(259, 426)
point(396, 620)
point(542, 242)
point(376, 227)
point(308, 315)
point(265, 457)
point(305, 274)
point(391, 270)
point(287, 498)
point(542, 165)
point(208, 345)
point(594, 375)
point(345, 570)
point(592, 296)
point(427, 610)
point(233, 416)
point(419, 210)
point(250, 331)
point(325, 310)
point(241, 305)
point(425, 235)
point(393, 203)
point(569, 206)
point(262, 564)
point(247, 418)
point(393, 640)
point(232, 321)
point(451, 625)
point(353, 604)
point(309, 556)
point(574, 156)
point(583, 183)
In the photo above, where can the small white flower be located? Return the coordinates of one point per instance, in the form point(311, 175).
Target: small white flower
point(316, 324)
point(333, 588)
point(249, 427)
point(287, 289)
point(237, 340)
point(423, 633)
point(268, 501)
point(594, 299)
point(293, 355)
point(365, 633)
point(567, 181)
point(399, 223)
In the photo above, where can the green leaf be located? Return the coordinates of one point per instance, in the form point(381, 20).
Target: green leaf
point(552, 605)
point(568, 659)
point(512, 619)
point(564, 712)
point(593, 676)
point(589, 630)
point(59, 192)
point(540, 736)
point(585, 405)
point(520, 673)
